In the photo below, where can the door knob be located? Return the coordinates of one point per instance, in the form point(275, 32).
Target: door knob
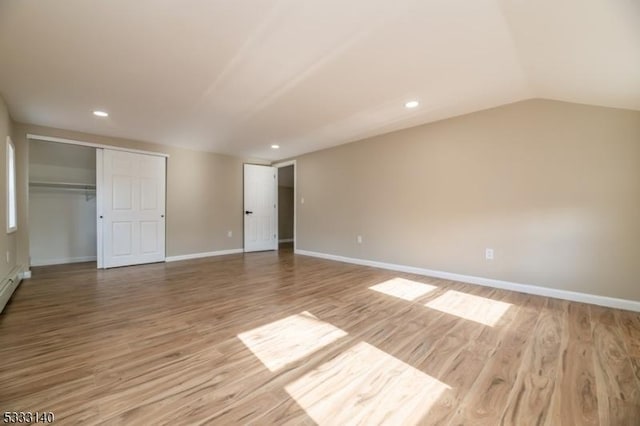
point(248, 212)
point(161, 215)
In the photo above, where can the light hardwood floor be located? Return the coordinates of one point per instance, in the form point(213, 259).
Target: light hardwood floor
point(274, 338)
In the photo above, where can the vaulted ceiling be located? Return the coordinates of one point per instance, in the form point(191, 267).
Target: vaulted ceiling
point(235, 76)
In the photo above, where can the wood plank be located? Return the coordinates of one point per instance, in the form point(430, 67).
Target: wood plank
point(618, 393)
point(575, 399)
point(629, 323)
point(487, 399)
point(530, 399)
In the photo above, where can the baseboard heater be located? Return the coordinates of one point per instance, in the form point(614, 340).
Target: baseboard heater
point(8, 286)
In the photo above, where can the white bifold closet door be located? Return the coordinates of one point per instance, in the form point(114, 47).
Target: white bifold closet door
point(132, 207)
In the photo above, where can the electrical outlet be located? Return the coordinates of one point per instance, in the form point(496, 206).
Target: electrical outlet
point(302, 200)
point(359, 239)
point(8, 256)
point(229, 234)
point(488, 254)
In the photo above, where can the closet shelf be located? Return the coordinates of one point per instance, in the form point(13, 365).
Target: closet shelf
point(65, 185)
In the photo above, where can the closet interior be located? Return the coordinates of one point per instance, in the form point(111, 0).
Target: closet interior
point(62, 203)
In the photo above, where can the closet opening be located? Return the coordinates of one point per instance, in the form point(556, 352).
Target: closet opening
point(95, 203)
point(62, 203)
point(286, 205)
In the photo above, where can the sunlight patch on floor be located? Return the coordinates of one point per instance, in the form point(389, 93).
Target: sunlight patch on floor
point(365, 385)
point(403, 288)
point(289, 339)
point(474, 308)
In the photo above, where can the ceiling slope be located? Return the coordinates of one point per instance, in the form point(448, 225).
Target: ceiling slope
point(237, 76)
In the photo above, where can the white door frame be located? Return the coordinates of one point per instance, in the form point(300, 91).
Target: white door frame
point(99, 207)
point(295, 195)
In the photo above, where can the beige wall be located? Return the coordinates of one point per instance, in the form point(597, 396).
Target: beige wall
point(285, 212)
point(552, 187)
point(204, 193)
point(8, 242)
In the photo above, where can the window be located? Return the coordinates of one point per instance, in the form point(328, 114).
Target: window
point(12, 210)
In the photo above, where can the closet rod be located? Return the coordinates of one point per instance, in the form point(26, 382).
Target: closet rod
point(65, 185)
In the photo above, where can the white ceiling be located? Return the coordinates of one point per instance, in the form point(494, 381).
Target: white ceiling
point(235, 76)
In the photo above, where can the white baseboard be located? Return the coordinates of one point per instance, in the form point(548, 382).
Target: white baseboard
point(47, 262)
point(201, 255)
point(611, 302)
point(286, 240)
point(26, 275)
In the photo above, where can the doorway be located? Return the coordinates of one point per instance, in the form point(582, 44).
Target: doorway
point(286, 205)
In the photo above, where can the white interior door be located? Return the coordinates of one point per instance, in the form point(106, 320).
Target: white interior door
point(133, 208)
point(260, 208)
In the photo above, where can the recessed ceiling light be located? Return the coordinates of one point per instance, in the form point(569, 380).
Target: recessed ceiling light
point(100, 114)
point(274, 146)
point(411, 104)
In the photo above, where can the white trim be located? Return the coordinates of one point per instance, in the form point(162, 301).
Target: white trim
point(65, 260)
point(11, 192)
point(93, 145)
point(293, 163)
point(201, 255)
point(611, 302)
point(286, 240)
point(284, 164)
point(26, 275)
point(99, 210)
